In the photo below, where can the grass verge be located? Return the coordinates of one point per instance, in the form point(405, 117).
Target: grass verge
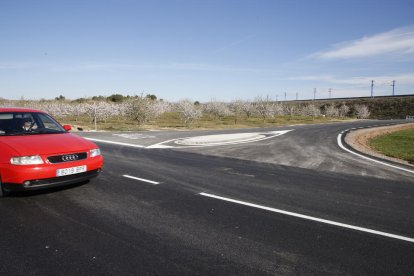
point(399, 144)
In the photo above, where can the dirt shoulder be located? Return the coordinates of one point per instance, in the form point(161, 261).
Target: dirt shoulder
point(359, 139)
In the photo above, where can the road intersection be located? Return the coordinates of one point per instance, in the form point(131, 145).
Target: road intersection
point(294, 203)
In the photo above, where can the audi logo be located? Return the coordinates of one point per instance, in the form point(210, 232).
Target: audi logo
point(69, 157)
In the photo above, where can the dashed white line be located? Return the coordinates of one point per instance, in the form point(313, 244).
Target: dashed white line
point(339, 224)
point(115, 143)
point(339, 139)
point(141, 179)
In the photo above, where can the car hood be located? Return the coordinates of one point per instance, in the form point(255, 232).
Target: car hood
point(46, 144)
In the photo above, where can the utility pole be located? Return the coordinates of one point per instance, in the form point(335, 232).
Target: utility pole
point(277, 96)
point(393, 88)
point(285, 96)
point(372, 89)
point(314, 93)
point(296, 95)
point(330, 93)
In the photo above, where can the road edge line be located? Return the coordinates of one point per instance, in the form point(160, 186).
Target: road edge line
point(297, 215)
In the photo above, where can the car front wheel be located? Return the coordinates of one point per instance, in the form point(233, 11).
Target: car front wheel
point(2, 192)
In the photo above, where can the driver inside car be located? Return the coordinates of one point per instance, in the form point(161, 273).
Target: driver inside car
point(28, 125)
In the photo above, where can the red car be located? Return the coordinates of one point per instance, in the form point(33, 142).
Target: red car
point(36, 152)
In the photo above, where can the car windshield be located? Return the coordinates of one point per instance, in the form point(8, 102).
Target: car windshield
point(28, 123)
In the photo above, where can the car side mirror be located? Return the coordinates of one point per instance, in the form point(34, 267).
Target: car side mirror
point(67, 127)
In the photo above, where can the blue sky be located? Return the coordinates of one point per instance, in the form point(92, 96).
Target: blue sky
point(204, 50)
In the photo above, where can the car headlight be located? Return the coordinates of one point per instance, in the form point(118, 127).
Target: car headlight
point(27, 160)
point(95, 152)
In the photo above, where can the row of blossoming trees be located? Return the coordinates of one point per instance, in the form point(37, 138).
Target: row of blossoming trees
point(142, 109)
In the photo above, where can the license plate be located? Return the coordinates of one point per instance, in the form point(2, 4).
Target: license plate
point(69, 171)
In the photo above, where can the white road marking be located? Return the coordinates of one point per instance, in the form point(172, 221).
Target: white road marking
point(133, 136)
point(115, 143)
point(339, 139)
point(339, 224)
point(219, 139)
point(260, 136)
point(141, 179)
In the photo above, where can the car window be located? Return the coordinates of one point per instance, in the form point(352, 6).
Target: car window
point(28, 123)
point(49, 123)
point(6, 116)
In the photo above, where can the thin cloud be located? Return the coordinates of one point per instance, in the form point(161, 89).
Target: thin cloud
point(398, 42)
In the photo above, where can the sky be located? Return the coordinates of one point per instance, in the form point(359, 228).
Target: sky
point(206, 49)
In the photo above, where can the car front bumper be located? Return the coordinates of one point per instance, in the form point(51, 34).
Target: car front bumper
point(50, 182)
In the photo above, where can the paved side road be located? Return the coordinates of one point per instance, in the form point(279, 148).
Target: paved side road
point(308, 146)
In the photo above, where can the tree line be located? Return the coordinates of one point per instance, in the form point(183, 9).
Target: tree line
point(143, 109)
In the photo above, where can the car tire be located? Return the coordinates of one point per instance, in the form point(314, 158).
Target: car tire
point(3, 193)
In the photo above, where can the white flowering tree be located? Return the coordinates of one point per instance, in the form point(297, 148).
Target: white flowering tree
point(216, 109)
point(163, 106)
point(343, 110)
point(142, 110)
point(188, 111)
point(248, 108)
point(362, 111)
point(310, 110)
point(237, 108)
point(278, 109)
point(290, 110)
point(263, 107)
point(77, 110)
point(56, 108)
point(331, 111)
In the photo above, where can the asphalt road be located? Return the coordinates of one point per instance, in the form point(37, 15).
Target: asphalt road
point(125, 226)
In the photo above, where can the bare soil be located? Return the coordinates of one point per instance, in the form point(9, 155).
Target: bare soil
point(359, 140)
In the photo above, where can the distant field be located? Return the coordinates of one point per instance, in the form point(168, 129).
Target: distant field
point(171, 120)
point(399, 144)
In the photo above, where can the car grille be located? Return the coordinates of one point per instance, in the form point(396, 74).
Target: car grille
point(67, 157)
